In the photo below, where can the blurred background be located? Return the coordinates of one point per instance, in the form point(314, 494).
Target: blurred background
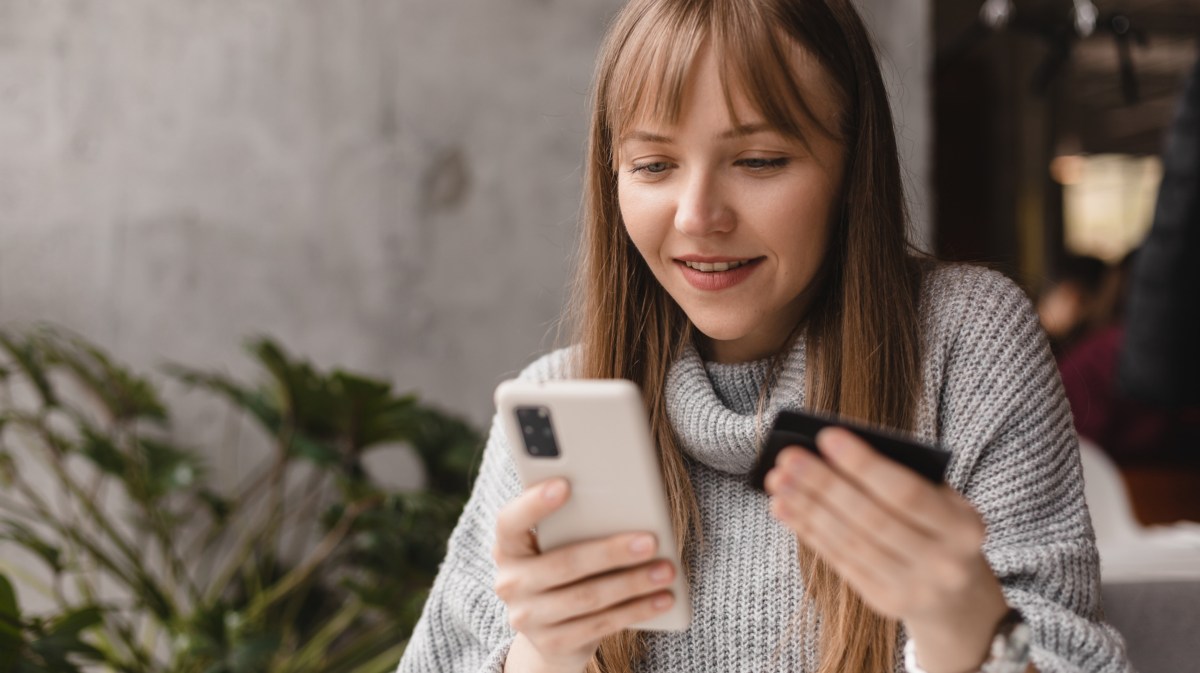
point(393, 187)
point(1048, 142)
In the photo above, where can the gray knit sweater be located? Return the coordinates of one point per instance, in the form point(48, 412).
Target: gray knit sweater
point(991, 395)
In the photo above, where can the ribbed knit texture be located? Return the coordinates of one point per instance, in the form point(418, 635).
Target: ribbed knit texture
point(719, 425)
point(991, 395)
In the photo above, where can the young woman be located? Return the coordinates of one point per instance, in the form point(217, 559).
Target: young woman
point(743, 252)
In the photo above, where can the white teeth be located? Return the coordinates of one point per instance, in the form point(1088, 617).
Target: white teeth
point(715, 266)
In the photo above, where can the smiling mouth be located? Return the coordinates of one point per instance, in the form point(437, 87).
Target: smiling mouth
point(713, 267)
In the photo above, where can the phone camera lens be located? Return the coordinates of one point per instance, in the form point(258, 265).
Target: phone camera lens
point(538, 431)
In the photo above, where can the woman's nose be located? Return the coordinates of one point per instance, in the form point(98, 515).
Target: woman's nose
point(701, 208)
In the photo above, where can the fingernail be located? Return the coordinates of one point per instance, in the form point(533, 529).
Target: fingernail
point(831, 441)
point(554, 490)
point(663, 601)
point(642, 544)
point(660, 573)
point(793, 459)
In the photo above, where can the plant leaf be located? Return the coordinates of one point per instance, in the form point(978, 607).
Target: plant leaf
point(62, 639)
point(26, 357)
point(260, 407)
point(320, 453)
point(218, 506)
point(449, 447)
point(25, 536)
point(10, 626)
point(253, 654)
point(384, 662)
point(8, 468)
point(168, 468)
point(370, 414)
point(103, 452)
point(75, 622)
point(123, 394)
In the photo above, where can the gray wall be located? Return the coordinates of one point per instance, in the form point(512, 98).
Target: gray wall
point(388, 186)
point(903, 31)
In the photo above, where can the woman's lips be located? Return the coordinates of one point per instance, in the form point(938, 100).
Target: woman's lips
point(712, 281)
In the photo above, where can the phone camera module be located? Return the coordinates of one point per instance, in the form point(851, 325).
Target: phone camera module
point(537, 432)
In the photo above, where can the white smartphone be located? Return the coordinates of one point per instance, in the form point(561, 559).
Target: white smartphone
point(594, 433)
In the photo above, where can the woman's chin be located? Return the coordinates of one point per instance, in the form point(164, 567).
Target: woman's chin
point(725, 345)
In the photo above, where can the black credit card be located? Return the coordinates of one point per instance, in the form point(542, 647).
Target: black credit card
point(798, 428)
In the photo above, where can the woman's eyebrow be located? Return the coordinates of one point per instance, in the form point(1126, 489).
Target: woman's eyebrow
point(645, 137)
point(743, 130)
point(739, 131)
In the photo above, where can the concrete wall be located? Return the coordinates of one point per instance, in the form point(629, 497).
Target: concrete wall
point(903, 31)
point(388, 186)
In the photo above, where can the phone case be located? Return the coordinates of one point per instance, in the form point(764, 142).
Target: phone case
point(607, 454)
point(800, 428)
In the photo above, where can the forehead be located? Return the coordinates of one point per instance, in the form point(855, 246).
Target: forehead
point(774, 81)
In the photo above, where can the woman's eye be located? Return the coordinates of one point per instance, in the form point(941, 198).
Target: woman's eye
point(759, 163)
point(653, 168)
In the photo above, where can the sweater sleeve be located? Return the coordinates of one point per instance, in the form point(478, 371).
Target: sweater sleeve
point(1016, 458)
point(464, 626)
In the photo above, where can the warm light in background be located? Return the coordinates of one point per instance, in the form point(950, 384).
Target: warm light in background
point(1108, 201)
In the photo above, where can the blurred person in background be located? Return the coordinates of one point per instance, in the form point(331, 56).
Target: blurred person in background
point(1160, 363)
point(1072, 304)
point(1127, 428)
point(1134, 386)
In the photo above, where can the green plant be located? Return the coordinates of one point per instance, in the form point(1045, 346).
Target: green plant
point(306, 566)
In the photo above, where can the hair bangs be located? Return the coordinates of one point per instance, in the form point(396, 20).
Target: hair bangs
point(655, 58)
point(755, 53)
point(651, 71)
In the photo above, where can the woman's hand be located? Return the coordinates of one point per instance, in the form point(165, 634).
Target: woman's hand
point(911, 549)
point(562, 602)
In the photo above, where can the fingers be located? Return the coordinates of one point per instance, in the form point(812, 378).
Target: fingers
point(517, 518)
point(526, 576)
point(589, 629)
point(575, 562)
point(901, 490)
point(908, 547)
point(858, 558)
point(821, 487)
point(564, 600)
point(593, 596)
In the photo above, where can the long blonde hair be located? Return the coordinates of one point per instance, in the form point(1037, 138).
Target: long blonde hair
point(862, 335)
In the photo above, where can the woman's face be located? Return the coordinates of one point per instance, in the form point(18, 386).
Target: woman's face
point(732, 217)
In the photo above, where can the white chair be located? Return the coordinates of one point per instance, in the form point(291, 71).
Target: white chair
point(1129, 551)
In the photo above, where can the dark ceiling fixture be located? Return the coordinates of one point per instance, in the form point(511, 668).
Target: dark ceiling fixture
point(1060, 31)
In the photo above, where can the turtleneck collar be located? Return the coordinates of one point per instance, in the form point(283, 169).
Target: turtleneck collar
point(714, 407)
